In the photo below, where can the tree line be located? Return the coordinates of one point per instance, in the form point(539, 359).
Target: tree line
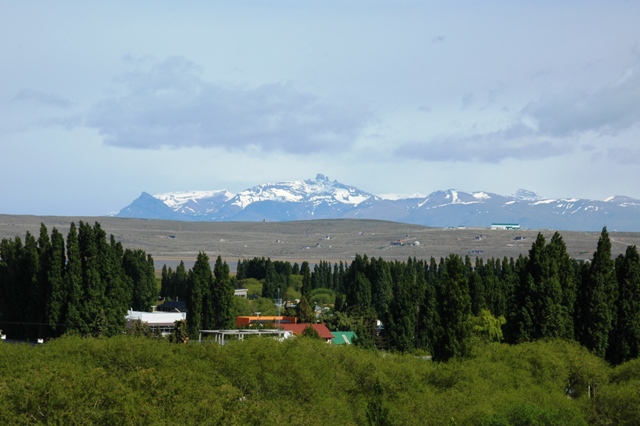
point(436, 305)
point(49, 288)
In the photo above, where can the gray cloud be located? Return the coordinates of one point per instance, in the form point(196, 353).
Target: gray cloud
point(517, 141)
point(624, 155)
point(172, 106)
point(548, 127)
point(608, 110)
point(47, 99)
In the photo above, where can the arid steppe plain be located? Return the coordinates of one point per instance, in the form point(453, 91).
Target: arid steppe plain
point(330, 240)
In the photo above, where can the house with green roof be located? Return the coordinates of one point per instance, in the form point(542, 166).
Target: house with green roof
point(343, 337)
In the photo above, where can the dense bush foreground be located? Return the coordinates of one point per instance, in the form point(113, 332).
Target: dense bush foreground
point(129, 380)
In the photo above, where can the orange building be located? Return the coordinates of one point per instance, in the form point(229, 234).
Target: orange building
point(244, 321)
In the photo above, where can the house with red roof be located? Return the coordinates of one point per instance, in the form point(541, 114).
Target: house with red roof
point(297, 329)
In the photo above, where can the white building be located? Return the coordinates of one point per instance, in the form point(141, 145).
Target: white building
point(163, 322)
point(505, 226)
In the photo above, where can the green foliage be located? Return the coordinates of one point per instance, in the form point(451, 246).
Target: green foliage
point(142, 329)
point(266, 307)
point(135, 380)
point(242, 306)
point(311, 332)
point(253, 286)
point(487, 327)
point(179, 333)
point(377, 412)
point(304, 312)
point(322, 296)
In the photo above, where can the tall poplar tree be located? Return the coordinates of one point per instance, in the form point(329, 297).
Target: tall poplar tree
point(138, 266)
point(56, 301)
point(14, 295)
point(33, 319)
point(305, 271)
point(450, 337)
point(222, 296)
point(626, 342)
point(595, 304)
point(74, 292)
point(199, 283)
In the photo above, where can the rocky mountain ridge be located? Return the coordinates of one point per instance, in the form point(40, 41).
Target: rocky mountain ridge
point(321, 198)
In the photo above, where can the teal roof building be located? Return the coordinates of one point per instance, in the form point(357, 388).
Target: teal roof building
point(343, 337)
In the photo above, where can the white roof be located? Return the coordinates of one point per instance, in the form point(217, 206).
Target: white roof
point(156, 317)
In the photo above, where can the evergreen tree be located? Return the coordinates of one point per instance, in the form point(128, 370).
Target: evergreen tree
point(33, 321)
point(222, 297)
point(73, 285)
point(626, 342)
point(199, 283)
point(452, 332)
point(14, 293)
point(305, 271)
point(180, 282)
point(165, 282)
point(595, 304)
point(271, 283)
point(401, 322)
point(358, 287)
point(56, 304)
point(295, 270)
point(381, 286)
point(138, 266)
point(42, 289)
point(566, 275)
point(92, 305)
point(427, 316)
point(476, 286)
point(115, 290)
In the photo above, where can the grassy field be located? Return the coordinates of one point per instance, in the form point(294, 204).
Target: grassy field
point(330, 240)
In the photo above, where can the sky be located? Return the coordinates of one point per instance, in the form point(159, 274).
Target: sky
point(100, 101)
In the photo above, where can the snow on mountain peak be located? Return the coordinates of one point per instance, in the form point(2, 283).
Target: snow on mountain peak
point(526, 195)
point(481, 195)
point(177, 199)
point(316, 191)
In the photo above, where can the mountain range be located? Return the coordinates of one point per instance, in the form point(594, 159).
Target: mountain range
point(321, 198)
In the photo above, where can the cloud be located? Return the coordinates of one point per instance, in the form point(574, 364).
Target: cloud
point(548, 127)
point(624, 155)
point(517, 141)
point(609, 110)
point(172, 106)
point(47, 99)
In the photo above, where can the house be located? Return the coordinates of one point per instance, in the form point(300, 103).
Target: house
point(343, 337)
point(505, 226)
point(241, 292)
point(245, 321)
point(162, 322)
point(172, 306)
point(297, 330)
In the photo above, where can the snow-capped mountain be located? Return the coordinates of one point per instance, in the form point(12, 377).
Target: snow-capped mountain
point(316, 191)
point(321, 198)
